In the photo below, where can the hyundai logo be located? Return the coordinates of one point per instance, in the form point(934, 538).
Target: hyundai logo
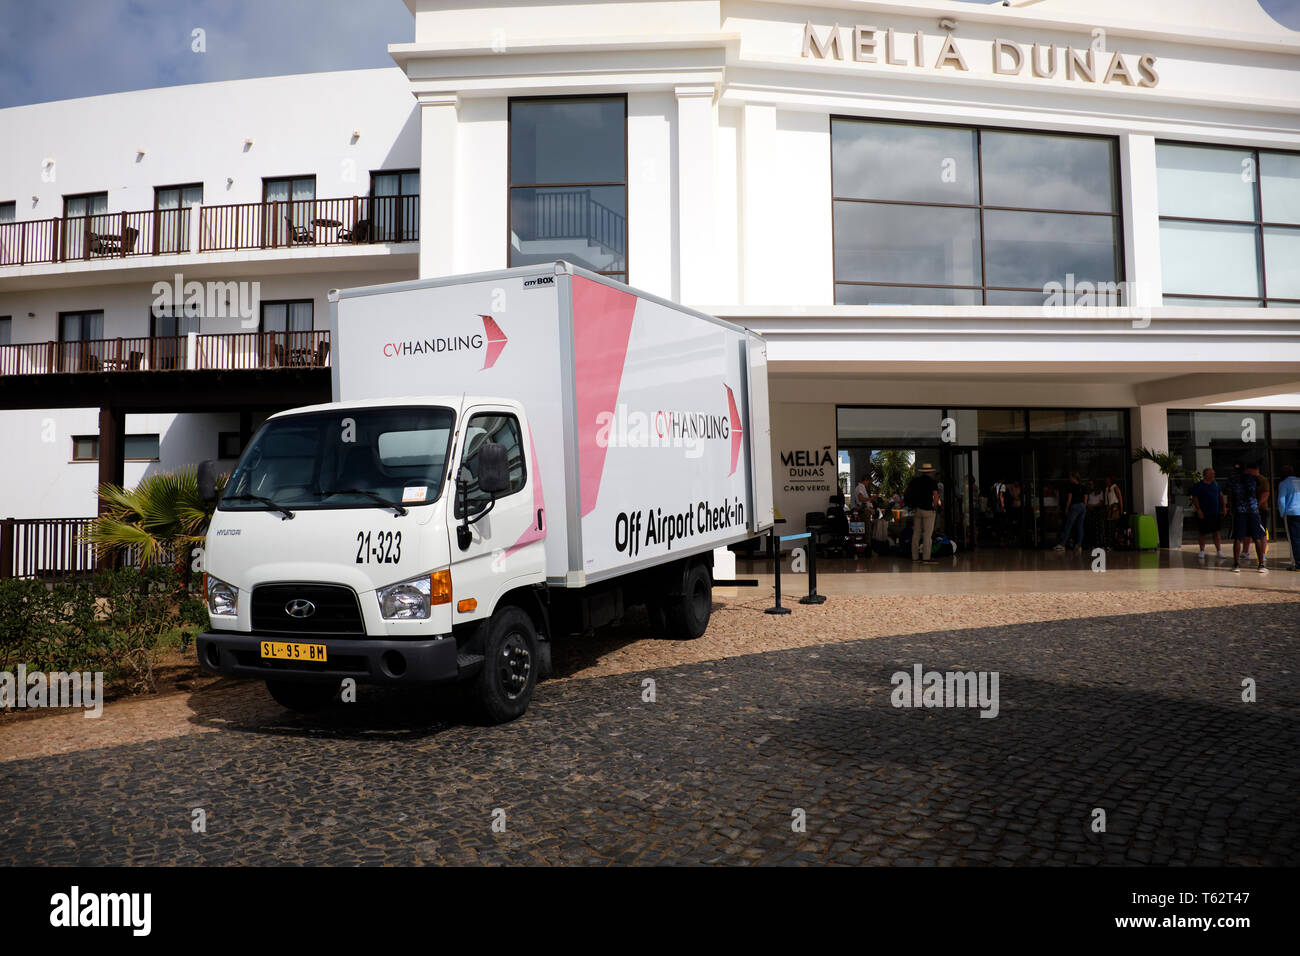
point(300, 608)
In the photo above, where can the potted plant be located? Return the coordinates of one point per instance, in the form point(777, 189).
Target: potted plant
point(1169, 518)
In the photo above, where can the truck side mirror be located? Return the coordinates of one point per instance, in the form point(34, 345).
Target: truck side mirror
point(207, 480)
point(493, 469)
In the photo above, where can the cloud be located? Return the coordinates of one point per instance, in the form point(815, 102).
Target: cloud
point(60, 49)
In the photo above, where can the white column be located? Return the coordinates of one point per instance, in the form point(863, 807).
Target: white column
point(695, 204)
point(759, 241)
point(1137, 164)
point(1150, 429)
point(438, 123)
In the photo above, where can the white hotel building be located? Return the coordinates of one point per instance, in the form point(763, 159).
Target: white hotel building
point(889, 191)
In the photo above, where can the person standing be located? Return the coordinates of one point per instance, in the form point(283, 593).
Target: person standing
point(1075, 510)
point(1288, 509)
point(1248, 493)
point(1114, 505)
point(862, 495)
point(923, 498)
point(1210, 504)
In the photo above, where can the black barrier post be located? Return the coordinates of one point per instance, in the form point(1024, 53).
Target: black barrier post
point(774, 549)
point(812, 596)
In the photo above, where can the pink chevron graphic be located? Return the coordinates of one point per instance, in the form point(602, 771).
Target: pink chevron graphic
point(602, 326)
point(496, 341)
point(737, 430)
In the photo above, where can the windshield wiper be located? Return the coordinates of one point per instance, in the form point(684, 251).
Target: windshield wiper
point(398, 509)
point(264, 500)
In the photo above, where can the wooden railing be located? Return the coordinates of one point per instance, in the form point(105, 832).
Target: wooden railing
point(114, 235)
point(44, 548)
point(262, 225)
point(54, 549)
point(309, 222)
point(223, 350)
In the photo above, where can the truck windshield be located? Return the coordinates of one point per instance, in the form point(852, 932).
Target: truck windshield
point(347, 458)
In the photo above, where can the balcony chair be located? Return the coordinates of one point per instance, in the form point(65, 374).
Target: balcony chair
point(301, 235)
point(360, 232)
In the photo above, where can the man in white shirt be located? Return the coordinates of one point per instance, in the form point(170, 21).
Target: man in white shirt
point(862, 493)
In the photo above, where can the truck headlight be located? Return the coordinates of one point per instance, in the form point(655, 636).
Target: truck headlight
point(412, 600)
point(223, 598)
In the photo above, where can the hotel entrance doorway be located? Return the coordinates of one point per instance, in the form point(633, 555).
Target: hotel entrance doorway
point(994, 498)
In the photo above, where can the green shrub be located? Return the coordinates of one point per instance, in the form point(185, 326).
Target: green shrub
point(118, 622)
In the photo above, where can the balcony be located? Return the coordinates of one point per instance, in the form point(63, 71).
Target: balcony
point(216, 352)
point(310, 223)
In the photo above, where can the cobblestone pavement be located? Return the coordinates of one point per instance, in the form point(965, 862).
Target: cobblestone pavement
point(1139, 715)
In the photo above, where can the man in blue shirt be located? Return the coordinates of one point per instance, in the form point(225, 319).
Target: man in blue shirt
point(1288, 509)
point(1208, 500)
point(1249, 491)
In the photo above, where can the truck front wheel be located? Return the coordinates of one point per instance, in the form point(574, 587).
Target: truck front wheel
point(686, 617)
point(510, 662)
point(302, 697)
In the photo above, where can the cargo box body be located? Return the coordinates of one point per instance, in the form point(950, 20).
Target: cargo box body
point(649, 421)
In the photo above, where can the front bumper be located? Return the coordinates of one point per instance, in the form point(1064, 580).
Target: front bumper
point(366, 660)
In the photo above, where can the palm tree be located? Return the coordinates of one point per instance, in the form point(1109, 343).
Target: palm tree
point(1170, 465)
point(159, 520)
point(891, 470)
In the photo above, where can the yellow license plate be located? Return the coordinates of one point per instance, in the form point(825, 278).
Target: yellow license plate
point(278, 651)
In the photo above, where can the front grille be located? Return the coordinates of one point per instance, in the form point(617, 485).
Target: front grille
point(336, 609)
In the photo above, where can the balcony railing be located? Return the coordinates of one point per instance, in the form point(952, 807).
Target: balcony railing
point(309, 222)
point(223, 350)
point(262, 225)
point(55, 549)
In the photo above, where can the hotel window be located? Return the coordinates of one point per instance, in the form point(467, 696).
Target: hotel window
point(229, 446)
point(1229, 225)
point(169, 329)
point(568, 182)
point(951, 215)
point(172, 212)
point(135, 448)
point(289, 219)
point(6, 330)
point(8, 211)
point(81, 341)
point(395, 206)
point(84, 214)
point(293, 342)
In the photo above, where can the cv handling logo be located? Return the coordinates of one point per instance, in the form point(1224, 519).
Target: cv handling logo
point(491, 341)
point(672, 428)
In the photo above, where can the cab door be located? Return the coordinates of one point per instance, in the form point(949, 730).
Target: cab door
point(505, 546)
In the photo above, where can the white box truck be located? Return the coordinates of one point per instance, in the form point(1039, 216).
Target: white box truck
point(510, 457)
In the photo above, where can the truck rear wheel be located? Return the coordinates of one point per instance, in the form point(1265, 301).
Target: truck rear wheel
point(510, 662)
point(686, 617)
point(302, 697)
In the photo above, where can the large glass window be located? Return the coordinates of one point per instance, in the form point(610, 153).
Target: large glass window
point(395, 455)
point(946, 215)
point(568, 182)
point(1229, 225)
point(1224, 439)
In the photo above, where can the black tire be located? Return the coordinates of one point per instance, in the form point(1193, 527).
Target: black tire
point(687, 615)
point(303, 697)
point(505, 683)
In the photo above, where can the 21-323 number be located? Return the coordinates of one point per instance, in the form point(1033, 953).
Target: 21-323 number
point(379, 547)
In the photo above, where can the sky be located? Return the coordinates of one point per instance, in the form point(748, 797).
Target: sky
point(59, 49)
